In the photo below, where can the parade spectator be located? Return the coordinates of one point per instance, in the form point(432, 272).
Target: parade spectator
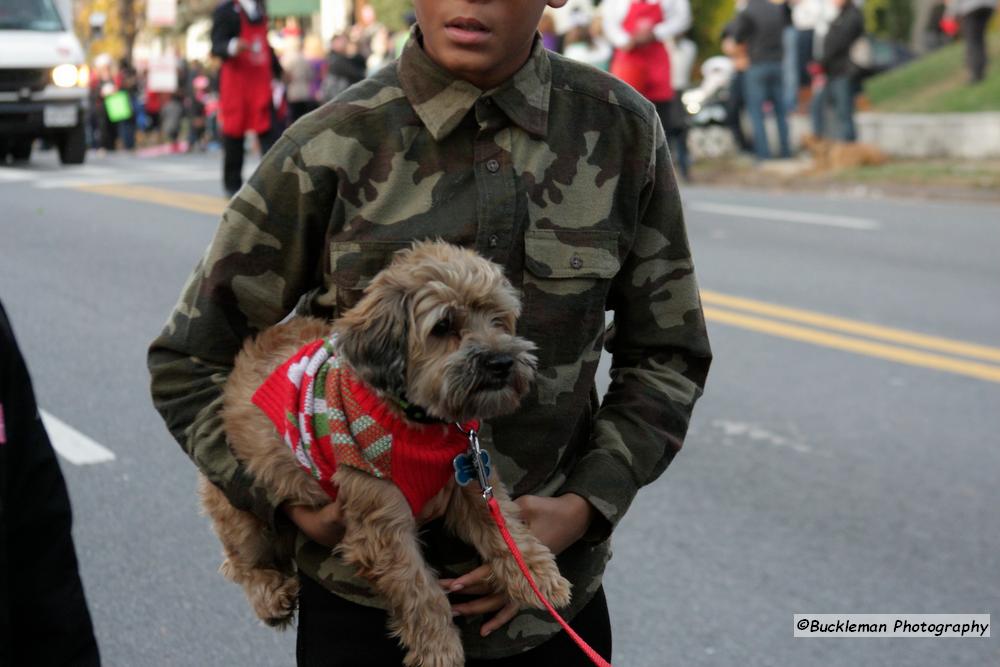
point(736, 99)
point(104, 83)
point(345, 66)
point(239, 38)
point(44, 618)
point(973, 17)
point(195, 110)
point(838, 76)
point(152, 106)
point(683, 53)
point(798, 43)
point(380, 51)
point(584, 42)
point(364, 29)
point(299, 75)
point(638, 30)
point(934, 35)
point(551, 39)
point(129, 82)
point(172, 117)
point(761, 27)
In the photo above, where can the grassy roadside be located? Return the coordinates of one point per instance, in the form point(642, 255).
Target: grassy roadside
point(937, 83)
point(977, 180)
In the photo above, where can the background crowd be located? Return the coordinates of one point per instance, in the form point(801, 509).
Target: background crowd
point(783, 58)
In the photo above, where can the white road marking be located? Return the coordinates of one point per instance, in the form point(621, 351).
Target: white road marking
point(780, 215)
point(72, 445)
point(10, 175)
point(745, 431)
point(144, 178)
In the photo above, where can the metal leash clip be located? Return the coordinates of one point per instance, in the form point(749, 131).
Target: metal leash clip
point(480, 460)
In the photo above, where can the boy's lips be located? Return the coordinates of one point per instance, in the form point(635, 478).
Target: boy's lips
point(466, 31)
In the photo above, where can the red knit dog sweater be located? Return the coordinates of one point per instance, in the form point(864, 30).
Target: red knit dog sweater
point(328, 418)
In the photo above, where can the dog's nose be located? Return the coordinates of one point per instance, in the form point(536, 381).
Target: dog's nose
point(499, 365)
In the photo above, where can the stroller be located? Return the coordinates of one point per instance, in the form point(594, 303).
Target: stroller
point(708, 107)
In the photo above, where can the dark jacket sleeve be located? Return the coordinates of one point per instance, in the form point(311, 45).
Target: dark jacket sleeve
point(225, 27)
point(43, 613)
point(844, 31)
point(741, 28)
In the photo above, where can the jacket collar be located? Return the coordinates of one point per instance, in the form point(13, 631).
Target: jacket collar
point(442, 101)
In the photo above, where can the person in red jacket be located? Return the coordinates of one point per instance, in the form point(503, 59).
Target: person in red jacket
point(239, 38)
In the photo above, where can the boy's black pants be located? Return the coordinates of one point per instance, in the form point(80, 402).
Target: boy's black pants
point(334, 632)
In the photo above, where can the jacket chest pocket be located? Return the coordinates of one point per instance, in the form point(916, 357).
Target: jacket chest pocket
point(352, 267)
point(566, 281)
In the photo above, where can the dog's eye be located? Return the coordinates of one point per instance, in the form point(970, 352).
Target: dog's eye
point(500, 323)
point(442, 328)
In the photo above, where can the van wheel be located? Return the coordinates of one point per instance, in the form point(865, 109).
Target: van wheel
point(73, 146)
point(20, 150)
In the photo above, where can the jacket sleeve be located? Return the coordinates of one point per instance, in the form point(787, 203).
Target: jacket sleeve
point(842, 35)
point(742, 27)
point(660, 354)
point(676, 19)
point(614, 13)
point(225, 27)
point(267, 252)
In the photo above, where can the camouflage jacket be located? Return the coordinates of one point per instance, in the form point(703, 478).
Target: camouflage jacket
point(562, 176)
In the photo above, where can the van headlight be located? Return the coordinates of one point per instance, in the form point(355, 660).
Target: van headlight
point(65, 76)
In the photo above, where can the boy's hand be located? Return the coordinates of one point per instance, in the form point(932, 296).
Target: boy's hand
point(323, 525)
point(558, 523)
point(643, 32)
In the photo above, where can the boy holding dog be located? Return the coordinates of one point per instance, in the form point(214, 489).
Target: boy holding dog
point(555, 171)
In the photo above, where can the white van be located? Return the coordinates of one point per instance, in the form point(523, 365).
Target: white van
point(43, 82)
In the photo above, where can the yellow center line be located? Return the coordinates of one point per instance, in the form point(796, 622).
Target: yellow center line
point(856, 345)
point(183, 200)
point(718, 308)
point(889, 334)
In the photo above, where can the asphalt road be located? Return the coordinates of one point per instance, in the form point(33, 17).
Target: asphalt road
point(844, 459)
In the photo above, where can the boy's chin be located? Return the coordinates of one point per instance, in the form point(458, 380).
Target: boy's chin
point(479, 69)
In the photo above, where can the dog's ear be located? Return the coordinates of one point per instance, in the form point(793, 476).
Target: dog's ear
point(372, 338)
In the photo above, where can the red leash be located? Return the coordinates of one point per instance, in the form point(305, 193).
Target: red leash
point(502, 525)
point(479, 467)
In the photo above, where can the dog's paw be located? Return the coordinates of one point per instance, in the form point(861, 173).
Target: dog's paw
point(545, 572)
point(441, 651)
point(274, 598)
point(556, 589)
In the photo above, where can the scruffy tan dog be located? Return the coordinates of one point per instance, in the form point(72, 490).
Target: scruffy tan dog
point(436, 326)
point(829, 155)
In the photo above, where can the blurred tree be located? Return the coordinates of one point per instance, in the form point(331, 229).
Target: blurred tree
point(189, 11)
point(709, 17)
point(390, 13)
point(122, 22)
point(892, 19)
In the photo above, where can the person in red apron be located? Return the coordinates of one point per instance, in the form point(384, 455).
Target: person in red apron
point(638, 29)
point(239, 37)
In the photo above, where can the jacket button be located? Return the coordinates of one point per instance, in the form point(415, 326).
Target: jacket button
point(494, 240)
point(493, 166)
point(576, 262)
